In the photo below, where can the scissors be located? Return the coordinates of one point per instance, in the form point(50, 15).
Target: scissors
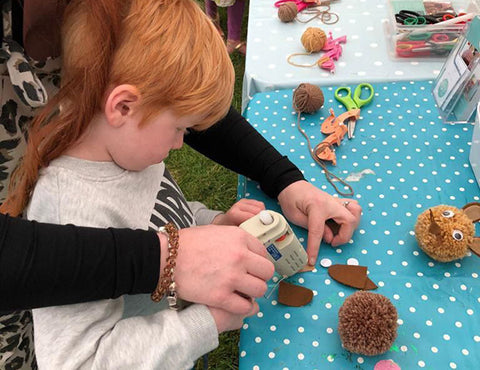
point(356, 103)
point(411, 18)
point(301, 5)
point(425, 44)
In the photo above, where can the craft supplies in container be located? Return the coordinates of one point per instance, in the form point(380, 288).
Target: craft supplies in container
point(426, 28)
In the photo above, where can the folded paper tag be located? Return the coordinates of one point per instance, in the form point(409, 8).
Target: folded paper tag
point(352, 275)
point(293, 295)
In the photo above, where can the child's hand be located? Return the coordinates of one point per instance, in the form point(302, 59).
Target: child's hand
point(227, 321)
point(239, 212)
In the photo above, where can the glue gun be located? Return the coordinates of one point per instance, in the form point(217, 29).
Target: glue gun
point(283, 247)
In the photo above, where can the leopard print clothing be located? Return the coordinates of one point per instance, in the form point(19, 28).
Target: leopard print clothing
point(25, 85)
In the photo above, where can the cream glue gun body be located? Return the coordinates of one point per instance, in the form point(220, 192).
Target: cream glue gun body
point(283, 247)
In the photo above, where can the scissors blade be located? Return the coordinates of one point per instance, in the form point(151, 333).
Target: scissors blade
point(351, 127)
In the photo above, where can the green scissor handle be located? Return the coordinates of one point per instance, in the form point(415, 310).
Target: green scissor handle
point(346, 99)
point(344, 95)
point(358, 93)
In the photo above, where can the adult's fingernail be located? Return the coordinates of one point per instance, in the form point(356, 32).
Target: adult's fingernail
point(311, 261)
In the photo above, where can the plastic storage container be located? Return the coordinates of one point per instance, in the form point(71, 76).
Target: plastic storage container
point(475, 148)
point(424, 40)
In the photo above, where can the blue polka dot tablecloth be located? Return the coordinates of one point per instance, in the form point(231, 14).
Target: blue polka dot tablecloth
point(410, 161)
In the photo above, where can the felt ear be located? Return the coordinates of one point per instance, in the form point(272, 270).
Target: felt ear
point(352, 275)
point(293, 295)
point(475, 246)
point(472, 210)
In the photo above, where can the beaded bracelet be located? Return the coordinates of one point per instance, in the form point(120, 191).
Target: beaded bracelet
point(166, 282)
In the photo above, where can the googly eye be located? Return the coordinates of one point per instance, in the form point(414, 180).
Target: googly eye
point(457, 235)
point(448, 214)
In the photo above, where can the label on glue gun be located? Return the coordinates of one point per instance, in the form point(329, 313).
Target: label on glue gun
point(283, 247)
point(276, 255)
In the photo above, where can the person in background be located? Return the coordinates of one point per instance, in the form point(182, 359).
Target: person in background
point(234, 23)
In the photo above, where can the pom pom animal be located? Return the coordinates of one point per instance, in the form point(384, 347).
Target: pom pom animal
point(446, 233)
point(367, 323)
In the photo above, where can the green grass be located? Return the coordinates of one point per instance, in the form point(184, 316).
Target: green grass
point(203, 180)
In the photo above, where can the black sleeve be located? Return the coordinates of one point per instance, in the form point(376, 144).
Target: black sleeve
point(44, 265)
point(235, 144)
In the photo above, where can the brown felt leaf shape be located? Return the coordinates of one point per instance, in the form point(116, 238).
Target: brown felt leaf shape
point(472, 210)
point(352, 275)
point(475, 247)
point(293, 295)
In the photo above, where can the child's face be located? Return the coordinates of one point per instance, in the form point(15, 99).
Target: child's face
point(142, 145)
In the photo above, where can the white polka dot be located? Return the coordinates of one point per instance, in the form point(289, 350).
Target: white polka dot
point(329, 330)
point(300, 356)
point(434, 349)
point(446, 336)
point(352, 261)
point(315, 343)
point(453, 365)
point(325, 262)
point(286, 341)
point(421, 363)
point(271, 355)
point(301, 329)
point(258, 340)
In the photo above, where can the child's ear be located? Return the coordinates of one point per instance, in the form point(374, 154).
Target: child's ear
point(121, 104)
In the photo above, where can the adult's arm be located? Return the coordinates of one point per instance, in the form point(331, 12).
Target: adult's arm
point(236, 145)
point(44, 265)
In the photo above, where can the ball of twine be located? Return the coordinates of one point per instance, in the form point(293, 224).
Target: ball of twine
point(367, 323)
point(313, 39)
point(287, 12)
point(307, 98)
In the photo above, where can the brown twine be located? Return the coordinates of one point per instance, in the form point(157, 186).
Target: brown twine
point(313, 39)
point(318, 63)
point(299, 65)
point(287, 12)
point(330, 176)
point(322, 12)
point(307, 98)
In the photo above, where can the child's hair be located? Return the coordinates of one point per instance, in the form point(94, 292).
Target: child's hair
point(167, 49)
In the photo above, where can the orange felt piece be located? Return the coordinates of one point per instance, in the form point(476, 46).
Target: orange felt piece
point(307, 268)
point(293, 295)
point(352, 275)
point(328, 126)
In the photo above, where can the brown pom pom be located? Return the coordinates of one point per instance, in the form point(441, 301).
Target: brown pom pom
point(313, 39)
point(287, 12)
point(307, 98)
point(444, 233)
point(367, 323)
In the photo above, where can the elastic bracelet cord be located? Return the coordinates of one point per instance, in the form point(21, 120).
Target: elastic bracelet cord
point(166, 283)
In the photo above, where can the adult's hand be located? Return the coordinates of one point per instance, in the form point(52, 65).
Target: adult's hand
point(221, 266)
point(309, 207)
